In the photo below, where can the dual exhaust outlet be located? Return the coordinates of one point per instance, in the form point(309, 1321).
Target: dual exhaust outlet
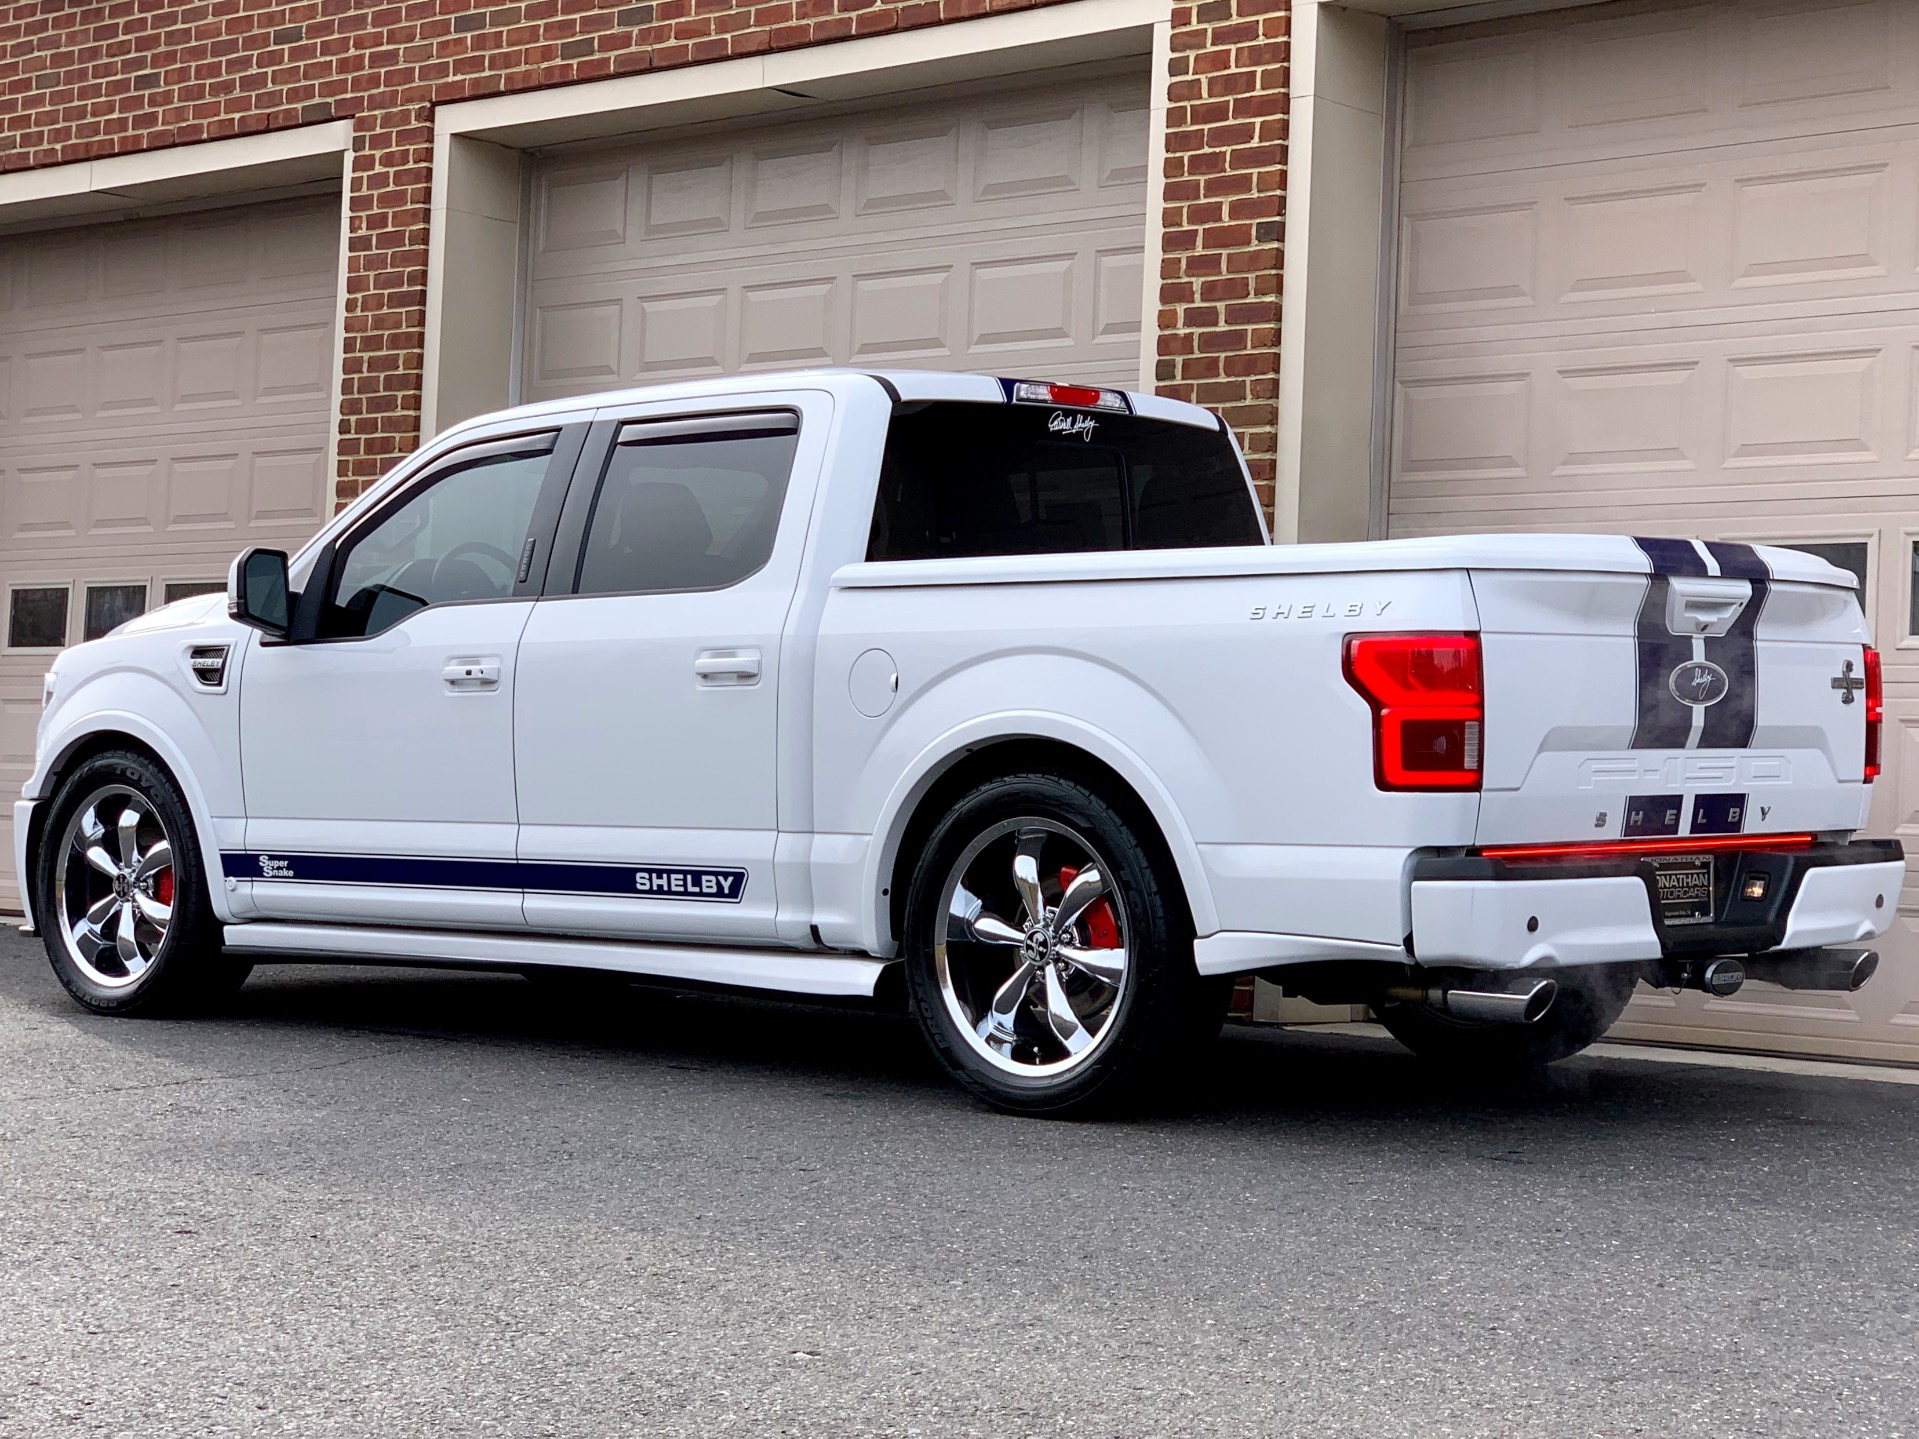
point(1833, 970)
point(1527, 1005)
point(1841, 971)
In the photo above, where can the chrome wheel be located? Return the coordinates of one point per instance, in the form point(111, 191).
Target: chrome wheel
point(1032, 956)
point(113, 886)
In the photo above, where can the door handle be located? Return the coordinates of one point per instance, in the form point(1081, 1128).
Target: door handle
point(465, 676)
point(1704, 604)
point(727, 667)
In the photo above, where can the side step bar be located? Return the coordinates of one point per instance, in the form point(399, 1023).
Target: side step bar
point(785, 971)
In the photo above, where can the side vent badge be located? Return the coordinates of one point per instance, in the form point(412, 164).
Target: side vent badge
point(209, 665)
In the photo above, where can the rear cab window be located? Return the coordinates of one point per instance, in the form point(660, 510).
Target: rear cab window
point(964, 478)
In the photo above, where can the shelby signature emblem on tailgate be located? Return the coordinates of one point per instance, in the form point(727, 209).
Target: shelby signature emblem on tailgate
point(1699, 682)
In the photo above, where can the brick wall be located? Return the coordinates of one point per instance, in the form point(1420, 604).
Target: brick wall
point(83, 81)
point(1224, 217)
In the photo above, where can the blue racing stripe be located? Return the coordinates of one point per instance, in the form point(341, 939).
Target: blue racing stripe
point(701, 884)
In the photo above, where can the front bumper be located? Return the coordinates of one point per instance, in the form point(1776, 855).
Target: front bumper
point(1507, 914)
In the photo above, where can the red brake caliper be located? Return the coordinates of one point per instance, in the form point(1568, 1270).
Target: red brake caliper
point(163, 885)
point(1102, 926)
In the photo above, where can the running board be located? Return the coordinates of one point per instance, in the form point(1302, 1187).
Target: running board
point(788, 971)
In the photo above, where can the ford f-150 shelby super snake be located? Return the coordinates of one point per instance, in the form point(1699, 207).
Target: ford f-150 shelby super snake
point(787, 680)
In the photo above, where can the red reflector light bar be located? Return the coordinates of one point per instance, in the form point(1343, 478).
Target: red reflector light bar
point(1075, 397)
point(1629, 848)
point(1428, 707)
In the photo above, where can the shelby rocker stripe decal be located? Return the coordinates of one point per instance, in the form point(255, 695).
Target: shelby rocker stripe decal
point(1664, 720)
point(643, 881)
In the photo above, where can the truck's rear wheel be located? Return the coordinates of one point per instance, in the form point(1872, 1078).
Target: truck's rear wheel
point(122, 895)
point(1048, 958)
point(1589, 1000)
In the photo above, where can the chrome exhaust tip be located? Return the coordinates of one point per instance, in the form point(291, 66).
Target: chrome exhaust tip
point(1484, 1006)
point(1497, 1006)
point(1842, 971)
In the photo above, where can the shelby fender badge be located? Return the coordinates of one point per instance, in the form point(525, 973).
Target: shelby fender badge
point(661, 881)
point(1699, 683)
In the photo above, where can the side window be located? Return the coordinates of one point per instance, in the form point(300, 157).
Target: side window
point(688, 505)
point(457, 537)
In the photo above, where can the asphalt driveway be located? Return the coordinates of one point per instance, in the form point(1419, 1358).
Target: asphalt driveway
point(384, 1202)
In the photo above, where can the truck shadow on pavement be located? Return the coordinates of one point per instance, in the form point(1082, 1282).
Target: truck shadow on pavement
point(1256, 1077)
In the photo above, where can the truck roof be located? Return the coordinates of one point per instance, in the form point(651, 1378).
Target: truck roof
point(901, 384)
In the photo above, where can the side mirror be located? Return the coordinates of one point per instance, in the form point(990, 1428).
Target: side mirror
point(257, 591)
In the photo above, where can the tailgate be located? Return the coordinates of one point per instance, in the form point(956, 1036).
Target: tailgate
point(1719, 692)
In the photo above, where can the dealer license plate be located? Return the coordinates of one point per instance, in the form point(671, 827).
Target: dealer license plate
point(1684, 887)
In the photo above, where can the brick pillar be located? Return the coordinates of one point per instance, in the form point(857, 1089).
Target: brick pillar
point(381, 369)
point(1219, 296)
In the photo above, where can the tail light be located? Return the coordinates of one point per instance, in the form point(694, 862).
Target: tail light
point(1428, 707)
point(1875, 713)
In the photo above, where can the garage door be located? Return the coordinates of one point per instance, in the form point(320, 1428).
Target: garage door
point(164, 399)
point(1659, 273)
point(1002, 233)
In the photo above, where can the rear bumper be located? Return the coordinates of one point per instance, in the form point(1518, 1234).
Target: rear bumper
point(1494, 914)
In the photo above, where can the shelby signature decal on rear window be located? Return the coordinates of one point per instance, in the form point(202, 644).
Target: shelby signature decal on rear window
point(1073, 427)
point(1314, 610)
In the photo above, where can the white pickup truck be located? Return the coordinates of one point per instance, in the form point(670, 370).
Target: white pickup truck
point(993, 688)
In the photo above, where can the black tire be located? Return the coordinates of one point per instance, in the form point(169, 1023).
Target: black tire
point(1152, 1025)
point(1589, 1001)
point(186, 967)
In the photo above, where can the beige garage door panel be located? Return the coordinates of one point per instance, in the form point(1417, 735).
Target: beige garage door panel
point(165, 395)
point(1659, 273)
point(1001, 233)
point(1678, 427)
point(1649, 78)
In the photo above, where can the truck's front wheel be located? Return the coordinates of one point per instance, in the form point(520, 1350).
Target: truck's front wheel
point(122, 895)
point(1589, 1000)
point(1048, 957)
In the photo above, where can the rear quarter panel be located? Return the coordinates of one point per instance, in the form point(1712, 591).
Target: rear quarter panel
point(1221, 700)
